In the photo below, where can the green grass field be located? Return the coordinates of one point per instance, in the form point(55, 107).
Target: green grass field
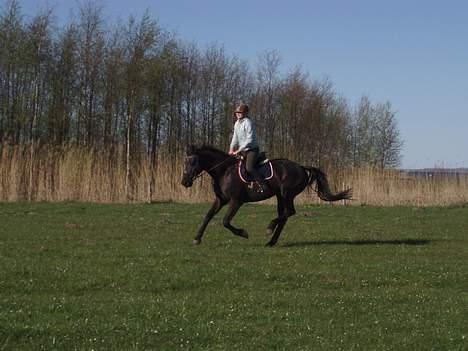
point(126, 277)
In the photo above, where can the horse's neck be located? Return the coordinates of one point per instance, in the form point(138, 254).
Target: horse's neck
point(212, 160)
point(214, 163)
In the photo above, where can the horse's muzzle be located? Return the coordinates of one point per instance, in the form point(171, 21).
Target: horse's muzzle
point(187, 181)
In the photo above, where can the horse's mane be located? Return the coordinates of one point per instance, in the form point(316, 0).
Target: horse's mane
point(212, 149)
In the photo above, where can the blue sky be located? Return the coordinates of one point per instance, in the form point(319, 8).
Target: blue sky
point(411, 53)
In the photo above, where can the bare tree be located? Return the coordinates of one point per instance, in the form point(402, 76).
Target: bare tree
point(140, 39)
point(376, 141)
point(363, 136)
point(12, 56)
point(388, 144)
point(266, 96)
point(40, 45)
point(90, 61)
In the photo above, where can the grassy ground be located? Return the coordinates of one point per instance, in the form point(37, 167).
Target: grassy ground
point(125, 277)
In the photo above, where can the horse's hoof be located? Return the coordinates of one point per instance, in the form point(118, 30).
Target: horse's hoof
point(270, 244)
point(244, 234)
point(196, 242)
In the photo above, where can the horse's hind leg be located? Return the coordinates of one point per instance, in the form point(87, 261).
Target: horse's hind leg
point(289, 211)
point(231, 212)
point(277, 232)
point(280, 208)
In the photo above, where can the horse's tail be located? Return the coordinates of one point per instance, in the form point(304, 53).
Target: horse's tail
point(322, 188)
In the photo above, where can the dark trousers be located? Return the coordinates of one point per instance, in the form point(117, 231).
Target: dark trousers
point(251, 157)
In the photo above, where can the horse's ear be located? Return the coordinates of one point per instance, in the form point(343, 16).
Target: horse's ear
point(190, 149)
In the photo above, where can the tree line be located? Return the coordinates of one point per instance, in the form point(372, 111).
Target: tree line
point(97, 84)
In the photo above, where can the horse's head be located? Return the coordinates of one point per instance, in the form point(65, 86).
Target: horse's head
point(192, 166)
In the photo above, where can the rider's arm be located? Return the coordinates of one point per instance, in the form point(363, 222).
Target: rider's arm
point(235, 140)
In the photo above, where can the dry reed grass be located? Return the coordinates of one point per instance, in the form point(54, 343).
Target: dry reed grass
point(72, 173)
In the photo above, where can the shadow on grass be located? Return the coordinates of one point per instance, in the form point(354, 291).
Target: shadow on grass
point(414, 242)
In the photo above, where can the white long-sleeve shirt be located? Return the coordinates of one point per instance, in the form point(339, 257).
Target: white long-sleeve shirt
point(245, 135)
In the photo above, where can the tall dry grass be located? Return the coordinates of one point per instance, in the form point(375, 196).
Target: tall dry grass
point(72, 173)
point(394, 188)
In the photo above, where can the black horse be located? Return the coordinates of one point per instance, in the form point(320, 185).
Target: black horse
point(289, 180)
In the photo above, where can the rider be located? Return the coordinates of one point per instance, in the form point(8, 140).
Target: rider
point(244, 141)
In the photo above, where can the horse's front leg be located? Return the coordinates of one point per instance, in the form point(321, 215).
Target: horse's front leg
point(217, 205)
point(231, 212)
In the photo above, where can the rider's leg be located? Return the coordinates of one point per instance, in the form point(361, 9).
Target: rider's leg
point(250, 162)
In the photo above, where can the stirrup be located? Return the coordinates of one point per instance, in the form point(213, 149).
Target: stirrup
point(257, 186)
point(252, 185)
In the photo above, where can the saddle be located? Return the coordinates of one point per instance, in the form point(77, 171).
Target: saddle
point(263, 166)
